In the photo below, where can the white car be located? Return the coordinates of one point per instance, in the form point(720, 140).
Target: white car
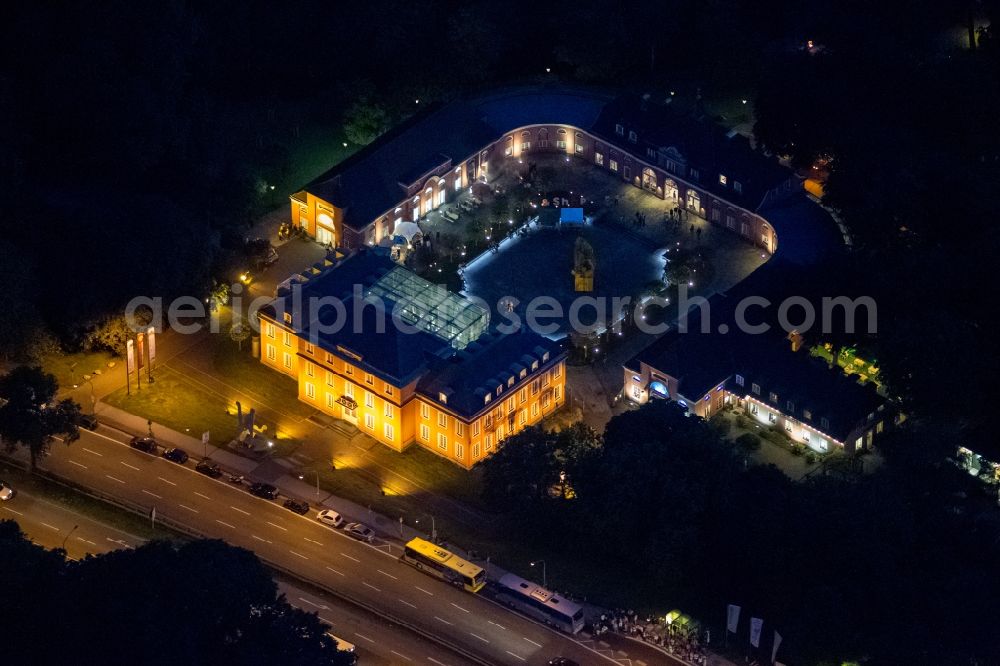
point(330, 517)
point(6, 492)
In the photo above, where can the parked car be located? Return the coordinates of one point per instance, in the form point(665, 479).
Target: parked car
point(209, 468)
point(298, 506)
point(265, 490)
point(360, 531)
point(330, 517)
point(176, 455)
point(88, 421)
point(6, 492)
point(145, 444)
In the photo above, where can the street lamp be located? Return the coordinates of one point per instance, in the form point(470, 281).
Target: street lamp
point(68, 535)
point(434, 532)
point(545, 579)
point(303, 476)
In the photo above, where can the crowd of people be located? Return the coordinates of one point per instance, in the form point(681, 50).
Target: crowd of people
point(656, 631)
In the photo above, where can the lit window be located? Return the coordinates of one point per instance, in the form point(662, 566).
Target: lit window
point(738, 187)
point(774, 397)
point(388, 430)
point(807, 414)
point(425, 411)
point(722, 179)
point(310, 371)
point(561, 145)
point(633, 137)
point(486, 398)
point(580, 148)
point(459, 450)
point(525, 145)
point(459, 428)
point(613, 164)
point(270, 330)
point(310, 391)
point(443, 398)
point(755, 388)
point(442, 420)
point(599, 159)
point(442, 442)
point(619, 130)
point(475, 451)
point(534, 365)
point(369, 399)
point(288, 360)
point(370, 421)
point(739, 380)
point(310, 348)
point(369, 379)
point(271, 355)
point(475, 429)
point(288, 317)
point(388, 410)
point(425, 432)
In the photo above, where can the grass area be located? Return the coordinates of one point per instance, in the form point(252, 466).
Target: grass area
point(238, 368)
point(317, 148)
point(65, 496)
point(69, 369)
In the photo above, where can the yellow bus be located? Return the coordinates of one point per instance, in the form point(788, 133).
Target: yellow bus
point(444, 564)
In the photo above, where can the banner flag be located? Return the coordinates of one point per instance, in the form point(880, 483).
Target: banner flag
point(774, 650)
point(129, 357)
point(151, 343)
point(732, 618)
point(140, 355)
point(755, 626)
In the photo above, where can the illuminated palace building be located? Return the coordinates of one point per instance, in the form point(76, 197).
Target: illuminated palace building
point(407, 361)
point(427, 161)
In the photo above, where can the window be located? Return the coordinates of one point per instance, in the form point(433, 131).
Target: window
point(499, 390)
point(723, 180)
point(388, 430)
point(329, 358)
point(579, 147)
point(523, 417)
point(443, 398)
point(310, 348)
point(487, 398)
point(755, 388)
point(523, 373)
point(561, 145)
point(369, 400)
point(349, 390)
point(739, 380)
point(715, 215)
point(620, 130)
point(288, 317)
point(730, 222)
point(510, 404)
point(475, 451)
point(425, 432)
point(329, 378)
point(774, 397)
point(771, 418)
point(270, 330)
point(806, 413)
point(369, 379)
point(330, 401)
point(738, 187)
point(557, 393)
point(425, 411)
point(388, 410)
point(599, 159)
point(442, 442)
point(310, 371)
point(695, 174)
point(858, 443)
point(522, 395)
point(310, 391)
point(614, 165)
point(510, 382)
point(791, 406)
point(370, 421)
point(459, 428)
point(271, 355)
point(442, 419)
point(525, 145)
point(475, 429)
point(286, 337)
point(388, 389)
point(288, 360)
point(632, 137)
point(534, 409)
point(489, 442)
point(788, 426)
point(534, 366)
point(879, 427)
point(458, 183)
point(534, 387)
point(459, 450)
point(650, 153)
point(545, 402)
point(557, 371)
point(824, 423)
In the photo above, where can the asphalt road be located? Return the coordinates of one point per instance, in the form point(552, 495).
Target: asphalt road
point(362, 572)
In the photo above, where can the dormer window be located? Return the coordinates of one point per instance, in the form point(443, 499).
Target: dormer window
point(739, 380)
point(416, 199)
point(499, 390)
point(755, 388)
point(288, 317)
point(633, 137)
point(774, 397)
point(443, 398)
point(723, 180)
point(524, 373)
point(545, 357)
point(824, 423)
point(510, 382)
point(534, 365)
point(620, 130)
point(791, 406)
point(487, 398)
point(694, 174)
point(738, 187)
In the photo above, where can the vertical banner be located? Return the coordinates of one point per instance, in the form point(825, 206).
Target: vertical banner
point(140, 360)
point(755, 626)
point(777, 643)
point(129, 365)
point(151, 345)
point(732, 618)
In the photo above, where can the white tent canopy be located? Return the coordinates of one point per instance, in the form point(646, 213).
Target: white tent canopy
point(407, 230)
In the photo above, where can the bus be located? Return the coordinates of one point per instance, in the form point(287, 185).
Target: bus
point(444, 564)
point(544, 605)
point(345, 646)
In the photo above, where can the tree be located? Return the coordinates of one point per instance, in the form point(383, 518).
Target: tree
point(520, 472)
point(30, 415)
point(364, 122)
point(240, 333)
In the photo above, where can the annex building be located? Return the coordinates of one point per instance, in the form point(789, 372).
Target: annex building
point(407, 361)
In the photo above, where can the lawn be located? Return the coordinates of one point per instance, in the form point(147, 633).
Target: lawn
point(69, 369)
point(273, 389)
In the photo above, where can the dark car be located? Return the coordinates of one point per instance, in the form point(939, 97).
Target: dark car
point(265, 490)
point(209, 468)
point(298, 506)
point(359, 531)
point(88, 421)
point(145, 444)
point(176, 455)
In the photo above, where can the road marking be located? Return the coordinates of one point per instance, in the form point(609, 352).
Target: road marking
point(402, 601)
point(201, 495)
point(515, 655)
point(479, 637)
point(166, 481)
point(78, 464)
point(313, 540)
point(185, 506)
point(313, 604)
point(335, 571)
point(99, 455)
point(259, 539)
point(459, 607)
point(350, 558)
point(439, 619)
point(127, 465)
point(435, 661)
point(500, 625)
point(430, 594)
point(87, 541)
point(52, 527)
point(371, 586)
point(387, 574)
point(400, 655)
point(298, 554)
point(283, 529)
point(232, 527)
point(364, 637)
point(114, 478)
point(153, 494)
point(532, 642)
point(13, 511)
point(240, 510)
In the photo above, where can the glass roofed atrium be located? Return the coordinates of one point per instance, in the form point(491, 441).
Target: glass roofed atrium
point(431, 307)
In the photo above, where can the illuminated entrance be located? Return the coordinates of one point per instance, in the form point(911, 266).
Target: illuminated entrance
point(658, 390)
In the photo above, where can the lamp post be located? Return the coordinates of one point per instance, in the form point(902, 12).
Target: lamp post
point(545, 578)
point(68, 535)
point(434, 532)
point(316, 474)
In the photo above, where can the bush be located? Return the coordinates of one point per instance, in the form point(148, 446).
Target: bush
point(810, 458)
point(722, 426)
point(741, 421)
point(748, 442)
point(798, 449)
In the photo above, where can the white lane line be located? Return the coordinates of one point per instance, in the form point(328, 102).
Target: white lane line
point(478, 636)
point(313, 604)
point(515, 655)
point(298, 554)
point(371, 586)
point(99, 455)
point(51, 527)
point(459, 607)
point(363, 637)
point(283, 529)
point(400, 655)
point(166, 481)
point(201, 495)
point(532, 642)
point(13, 511)
point(430, 594)
point(387, 574)
point(87, 541)
point(73, 462)
point(313, 540)
point(232, 527)
point(185, 506)
point(441, 619)
point(403, 601)
point(114, 478)
point(350, 558)
point(435, 661)
point(240, 510)
point(335, 571)
point(127, 465)
point(153, 494)
point(259, 539)
point(500, 625)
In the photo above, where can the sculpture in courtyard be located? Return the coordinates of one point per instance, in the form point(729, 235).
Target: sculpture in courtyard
point(583, 265)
